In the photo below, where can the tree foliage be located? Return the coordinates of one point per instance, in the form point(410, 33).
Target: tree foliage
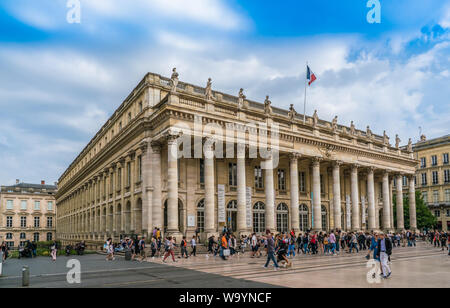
point(425, 219)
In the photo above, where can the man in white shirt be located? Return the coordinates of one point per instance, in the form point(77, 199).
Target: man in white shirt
point(193, 246)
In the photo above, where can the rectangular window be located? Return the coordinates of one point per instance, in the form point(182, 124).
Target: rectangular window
point(140, 107)
point(405, 181)
point(202, 171)
point(9, 221)
point(139, 163)
point(281, 179)
point(447, 176)
point(37, 205)
point(434, 160)
point(9, 236)
point(119, 178)
point(395, 182)
point(259, 183)
point(128, 174)
point(23, 236)
point(37, 222)
point(424, 179)
point(111, 183)
point(23, 205)
point(425, 196)
point(10, 244)
point(23, 222)
point(437, 213)
point(423, 162)
point(9, 204)
point(435, 178)
point(322, 186)
point(49, 222)
point(50, 205)
point(232, 174)
point(447, 195)
point(435, 196)
point(448, 213)
point(36, 237)
point(445, 158)
point(302, 182)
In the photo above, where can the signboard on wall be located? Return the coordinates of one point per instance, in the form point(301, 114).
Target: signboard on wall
point(248, 206)
point(221, 203)
point(191, 221)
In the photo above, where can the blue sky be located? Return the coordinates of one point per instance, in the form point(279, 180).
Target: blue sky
point(60, 82)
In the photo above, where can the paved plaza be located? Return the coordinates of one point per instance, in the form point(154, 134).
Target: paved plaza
point(422, 266)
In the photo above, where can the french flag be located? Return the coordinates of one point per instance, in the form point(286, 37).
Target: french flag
point(310, 75)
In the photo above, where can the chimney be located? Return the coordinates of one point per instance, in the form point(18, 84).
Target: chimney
point(17, 181)
point(42, 182)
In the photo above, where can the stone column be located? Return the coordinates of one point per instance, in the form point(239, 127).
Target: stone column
point(172, 185)
point(337, 195)
point(270, 194)
point(356, 221)
point(146, 181)
point(412, 204)
point(209, 193)
point(386, 203)
point(371, 200)
point(317, 211)
point(156, 196)
point(399, 203)
point(241, 191)
point(295, 224)
point(391, 201)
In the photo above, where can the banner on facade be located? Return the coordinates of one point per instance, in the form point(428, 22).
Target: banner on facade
point(349, 211)
point(363, 210)
point(221, 203)
point(248, 206)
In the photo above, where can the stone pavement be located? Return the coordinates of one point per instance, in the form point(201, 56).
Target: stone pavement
point(422, 266)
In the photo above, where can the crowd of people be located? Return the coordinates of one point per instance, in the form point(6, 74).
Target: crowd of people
point(280, 248)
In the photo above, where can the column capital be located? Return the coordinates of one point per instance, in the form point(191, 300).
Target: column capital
point(354, 166)
point(337, 163)
point(315, 161)
point(172, 136)
point(143, 146)
point(156, 146)
point(293, 157)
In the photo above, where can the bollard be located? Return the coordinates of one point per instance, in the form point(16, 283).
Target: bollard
point(25, 276)
point(1, 263)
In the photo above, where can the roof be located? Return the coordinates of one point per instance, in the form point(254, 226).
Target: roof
point(34, 186)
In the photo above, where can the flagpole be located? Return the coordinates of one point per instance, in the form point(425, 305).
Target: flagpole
point(304, 102)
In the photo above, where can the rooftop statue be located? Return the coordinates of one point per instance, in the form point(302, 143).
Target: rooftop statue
point(208, 90)
point(174, 80)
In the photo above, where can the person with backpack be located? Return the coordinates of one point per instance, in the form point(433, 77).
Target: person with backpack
point(183, 247)
point(223, 246)
point(270, 250)
point(291, 245)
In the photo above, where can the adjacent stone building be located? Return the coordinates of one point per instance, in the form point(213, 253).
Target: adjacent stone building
point(28, 212)
point(324, 175)
point(433, 176)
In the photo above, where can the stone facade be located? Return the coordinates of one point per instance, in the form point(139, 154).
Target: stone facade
point(324, 176)
point(433, 176)
point(28, 212)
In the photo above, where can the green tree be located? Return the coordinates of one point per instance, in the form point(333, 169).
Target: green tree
point(425, 219)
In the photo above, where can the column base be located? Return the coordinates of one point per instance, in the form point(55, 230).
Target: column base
point(175, 234)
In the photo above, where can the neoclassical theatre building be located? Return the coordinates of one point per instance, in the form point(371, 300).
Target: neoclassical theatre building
point(327, 175)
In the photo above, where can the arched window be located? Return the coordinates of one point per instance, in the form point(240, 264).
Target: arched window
point(324, 218)
point(259, 217)
point(232, 215)
point(303, 212)
point(282, 217)
point(49, 236)
point(201, 215)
